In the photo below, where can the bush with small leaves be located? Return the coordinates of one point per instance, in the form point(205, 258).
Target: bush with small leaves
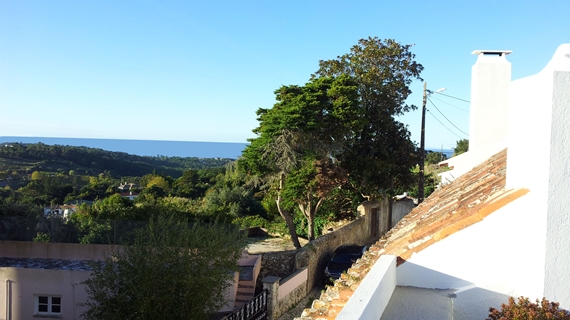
point(526, 310)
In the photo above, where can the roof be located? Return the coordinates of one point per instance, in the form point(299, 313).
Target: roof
point(451, 208)
point(47, 264)
point(462, 203)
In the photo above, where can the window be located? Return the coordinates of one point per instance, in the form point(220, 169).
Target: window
point(47, 305)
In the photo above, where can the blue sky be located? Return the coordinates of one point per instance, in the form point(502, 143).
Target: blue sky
point(198, 70)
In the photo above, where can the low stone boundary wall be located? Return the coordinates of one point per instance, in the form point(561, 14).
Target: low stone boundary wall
point(286, 293)
point(292, 283)
point(280, 264)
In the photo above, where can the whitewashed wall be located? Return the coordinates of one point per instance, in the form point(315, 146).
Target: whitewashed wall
point(490, 81)
point(557, 267)
point(539, 159)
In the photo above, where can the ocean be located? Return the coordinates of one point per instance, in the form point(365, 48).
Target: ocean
point(198, 149)
point(145, 147)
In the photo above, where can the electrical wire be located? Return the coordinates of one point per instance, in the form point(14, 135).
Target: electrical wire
point(443, 94)
point(446, 117)
point(449, 104)
point(433, 115)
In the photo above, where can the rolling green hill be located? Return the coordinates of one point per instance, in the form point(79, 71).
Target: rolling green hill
point(26, 158)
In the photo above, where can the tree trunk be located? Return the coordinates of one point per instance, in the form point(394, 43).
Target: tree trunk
point(310, 211)
point(287, 216)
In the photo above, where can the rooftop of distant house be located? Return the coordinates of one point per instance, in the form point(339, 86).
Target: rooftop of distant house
point(48, 264)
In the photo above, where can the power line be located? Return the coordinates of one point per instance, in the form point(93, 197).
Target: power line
point(449, 104)
point(443, 94)
point(446, 117)
point(444, 125)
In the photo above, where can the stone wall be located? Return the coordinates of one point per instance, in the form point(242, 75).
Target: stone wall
point(400, 208)
point(286, 293)
point(370, 225)
point(280, 264)
point(316, 253)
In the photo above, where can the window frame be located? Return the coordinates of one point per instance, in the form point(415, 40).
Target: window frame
point(49, 305)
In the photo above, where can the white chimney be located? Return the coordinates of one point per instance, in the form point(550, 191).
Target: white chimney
point(490, 81)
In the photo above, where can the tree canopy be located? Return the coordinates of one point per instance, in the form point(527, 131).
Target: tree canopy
point(380, 154)
point(462, 146)
point(339, 127)
point(297, 142)
point(435, 157)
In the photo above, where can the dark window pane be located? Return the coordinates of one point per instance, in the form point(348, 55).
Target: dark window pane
point(56, 300)
point(43, 308)
point(55, 309)
point(43, 299)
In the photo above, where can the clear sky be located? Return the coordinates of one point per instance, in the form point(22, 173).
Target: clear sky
point(198, 70)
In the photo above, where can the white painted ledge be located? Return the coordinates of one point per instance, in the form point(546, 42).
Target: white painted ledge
point(372, 296)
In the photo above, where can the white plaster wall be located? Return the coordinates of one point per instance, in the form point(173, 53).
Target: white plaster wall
point(374, 292)
point(26, 283)
point(557, 262)
point(530, 117)
point(501, 256)
point(538, 158)
point(490, 81)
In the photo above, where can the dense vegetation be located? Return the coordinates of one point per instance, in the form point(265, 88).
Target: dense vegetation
point(92, 161)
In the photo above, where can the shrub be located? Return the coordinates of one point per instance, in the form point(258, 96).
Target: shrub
point(250, 221)
point(301, 225)
point(526, 310)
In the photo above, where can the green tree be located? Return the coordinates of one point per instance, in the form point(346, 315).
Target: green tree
point(170, 271)
point(49, 189)
point(97, 188)
point(297, 139)
point(37, 175)
point(379, 155)
point(462, 146)
point(160, 182)
point(194, 183)
point(435, 157)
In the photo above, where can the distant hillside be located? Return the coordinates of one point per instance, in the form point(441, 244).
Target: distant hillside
point(92, 161)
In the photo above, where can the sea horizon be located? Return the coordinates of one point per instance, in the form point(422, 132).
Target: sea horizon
point(153, 148)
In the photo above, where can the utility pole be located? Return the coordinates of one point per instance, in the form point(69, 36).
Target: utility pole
point(422, 148)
